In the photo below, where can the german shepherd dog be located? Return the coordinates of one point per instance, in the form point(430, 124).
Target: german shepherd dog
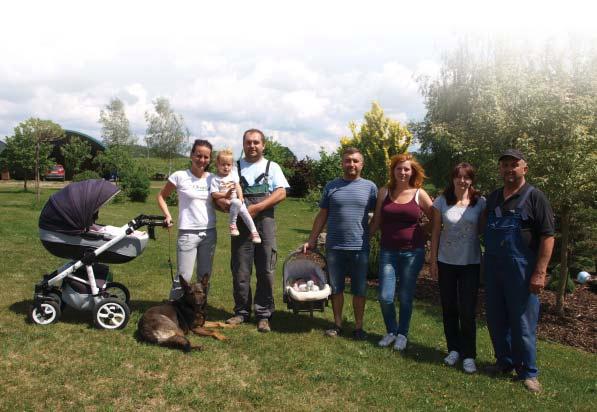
point(167, 324)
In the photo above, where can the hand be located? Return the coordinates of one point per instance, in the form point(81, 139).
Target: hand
point(433, 268)
point(537, 282)
point(168, 222)
point(253, 210)
point(308, 246)
point(229, 193)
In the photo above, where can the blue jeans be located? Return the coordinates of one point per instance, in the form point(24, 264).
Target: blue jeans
point(353, 263)
point(402, 266)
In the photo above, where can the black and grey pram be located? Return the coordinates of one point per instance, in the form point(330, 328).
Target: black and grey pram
point(67, 229)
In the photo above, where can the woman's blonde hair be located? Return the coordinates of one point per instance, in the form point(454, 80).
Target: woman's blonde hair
point(418, 173)
point(225, 153)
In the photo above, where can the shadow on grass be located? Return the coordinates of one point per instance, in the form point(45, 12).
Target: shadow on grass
point(303, 231)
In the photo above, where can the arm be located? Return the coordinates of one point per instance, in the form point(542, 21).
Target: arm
point(276, 197)
point(376, 220)
point(436, 226)
point(318, 224)
point(161, 198)
point(425, 203)
point(538, 276)
point(239, 192)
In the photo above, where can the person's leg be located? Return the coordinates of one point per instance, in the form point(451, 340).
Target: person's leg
point(358, 285)
point(246, 217)
point(496, 311)
point(523, 313)
point(449, 298)
point(409, 265)
point(235, 206)
point(186, 255)
point(468, 288)
point(265, 266)
point(387, 289)
point(205, 254)
point(335, 263)
point(241, 264)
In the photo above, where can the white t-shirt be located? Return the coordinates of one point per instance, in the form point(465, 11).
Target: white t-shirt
point(222, 183)
point(459, 238)
point(195, 208)
point(252, 170)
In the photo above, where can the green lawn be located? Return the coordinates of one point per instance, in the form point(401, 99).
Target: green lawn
point(72, 366)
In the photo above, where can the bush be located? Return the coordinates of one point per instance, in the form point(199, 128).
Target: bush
point(135, 184)
point(86, 175)
point(312, 198)
point(554, 281)
point(172, 200)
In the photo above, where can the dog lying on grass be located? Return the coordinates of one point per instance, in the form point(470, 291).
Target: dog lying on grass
point(167, 324)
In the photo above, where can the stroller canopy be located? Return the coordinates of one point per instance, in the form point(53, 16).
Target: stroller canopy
point(72, 209)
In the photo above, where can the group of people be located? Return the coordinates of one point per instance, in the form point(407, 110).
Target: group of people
point(516, 221)
point(518, 228)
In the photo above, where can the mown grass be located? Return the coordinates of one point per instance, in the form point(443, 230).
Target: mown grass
point(72, 366)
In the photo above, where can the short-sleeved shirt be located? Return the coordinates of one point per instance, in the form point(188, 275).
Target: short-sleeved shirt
point(540, 220)
point(221, 183)
point(250, 171)
point(195, 208)
point(348, 203)
point(459, 238)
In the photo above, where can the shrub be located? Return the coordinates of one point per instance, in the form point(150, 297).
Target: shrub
point(86, 175)
point(312, 198)
point(135, 184)
point(172, 200)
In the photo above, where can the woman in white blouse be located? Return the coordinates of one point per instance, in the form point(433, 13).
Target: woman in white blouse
point(455, 260)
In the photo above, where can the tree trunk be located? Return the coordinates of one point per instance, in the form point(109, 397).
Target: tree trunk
point(565, 228)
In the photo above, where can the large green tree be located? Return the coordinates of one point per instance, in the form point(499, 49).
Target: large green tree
point(116, 130)
point(492, 97)
point(30, 147)
point(166, 133)
point(280, 154)
point(379, 138)
point(75, 152)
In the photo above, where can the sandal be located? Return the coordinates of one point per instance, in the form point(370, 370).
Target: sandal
point(333, 332)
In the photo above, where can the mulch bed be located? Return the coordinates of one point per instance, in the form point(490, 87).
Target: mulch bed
point(577, 328)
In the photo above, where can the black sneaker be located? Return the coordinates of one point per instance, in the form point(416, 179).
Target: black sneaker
point(359, 334)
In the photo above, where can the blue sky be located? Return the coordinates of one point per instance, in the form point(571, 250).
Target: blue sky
point(300, 71)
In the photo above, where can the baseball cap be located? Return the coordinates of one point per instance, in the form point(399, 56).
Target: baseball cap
point(517, 154)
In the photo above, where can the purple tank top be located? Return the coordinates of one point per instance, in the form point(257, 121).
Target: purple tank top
point(400, 227)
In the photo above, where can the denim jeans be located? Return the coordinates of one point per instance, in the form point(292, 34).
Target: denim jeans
point(402, 266)
point(353, 263)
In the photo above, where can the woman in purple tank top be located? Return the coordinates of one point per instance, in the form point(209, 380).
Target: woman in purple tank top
point(398, 212)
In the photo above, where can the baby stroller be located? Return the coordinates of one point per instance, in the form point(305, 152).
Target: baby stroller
point(67, 229)
point(305, 282)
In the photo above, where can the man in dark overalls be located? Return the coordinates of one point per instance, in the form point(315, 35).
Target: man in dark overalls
point(518, 245)
point(264, 186)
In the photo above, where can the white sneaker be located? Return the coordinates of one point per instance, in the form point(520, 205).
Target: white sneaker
point(387, 340)
point(452, 358)
point(469, 365)
point(400, 343)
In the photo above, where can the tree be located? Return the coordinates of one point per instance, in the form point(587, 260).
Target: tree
point(280, 154)
point(75, 152)
point(116, 129)
point(488, 99)
point(166, 133)
point(379, 138)
point(327, 168)
point(19, 156)
point(114, 161)
point(38, 134)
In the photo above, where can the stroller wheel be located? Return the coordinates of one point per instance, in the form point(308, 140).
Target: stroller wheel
point(118, 291)
point(45, 313)
point(111, 313)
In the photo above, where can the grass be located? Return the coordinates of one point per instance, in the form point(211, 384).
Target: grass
point(72, 366)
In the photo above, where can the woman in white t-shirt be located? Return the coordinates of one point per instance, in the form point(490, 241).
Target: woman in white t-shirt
point(455, 260)
point(196, 216)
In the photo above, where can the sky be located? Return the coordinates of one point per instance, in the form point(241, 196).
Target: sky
point(299, 71)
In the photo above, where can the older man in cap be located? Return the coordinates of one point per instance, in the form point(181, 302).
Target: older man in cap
point(519, 238)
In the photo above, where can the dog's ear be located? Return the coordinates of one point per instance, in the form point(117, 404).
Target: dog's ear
point(183, 283)
point(205, 281)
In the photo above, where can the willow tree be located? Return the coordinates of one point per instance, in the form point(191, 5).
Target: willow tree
point(379, 138)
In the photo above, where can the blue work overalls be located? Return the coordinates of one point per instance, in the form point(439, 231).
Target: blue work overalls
point(512, 310)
